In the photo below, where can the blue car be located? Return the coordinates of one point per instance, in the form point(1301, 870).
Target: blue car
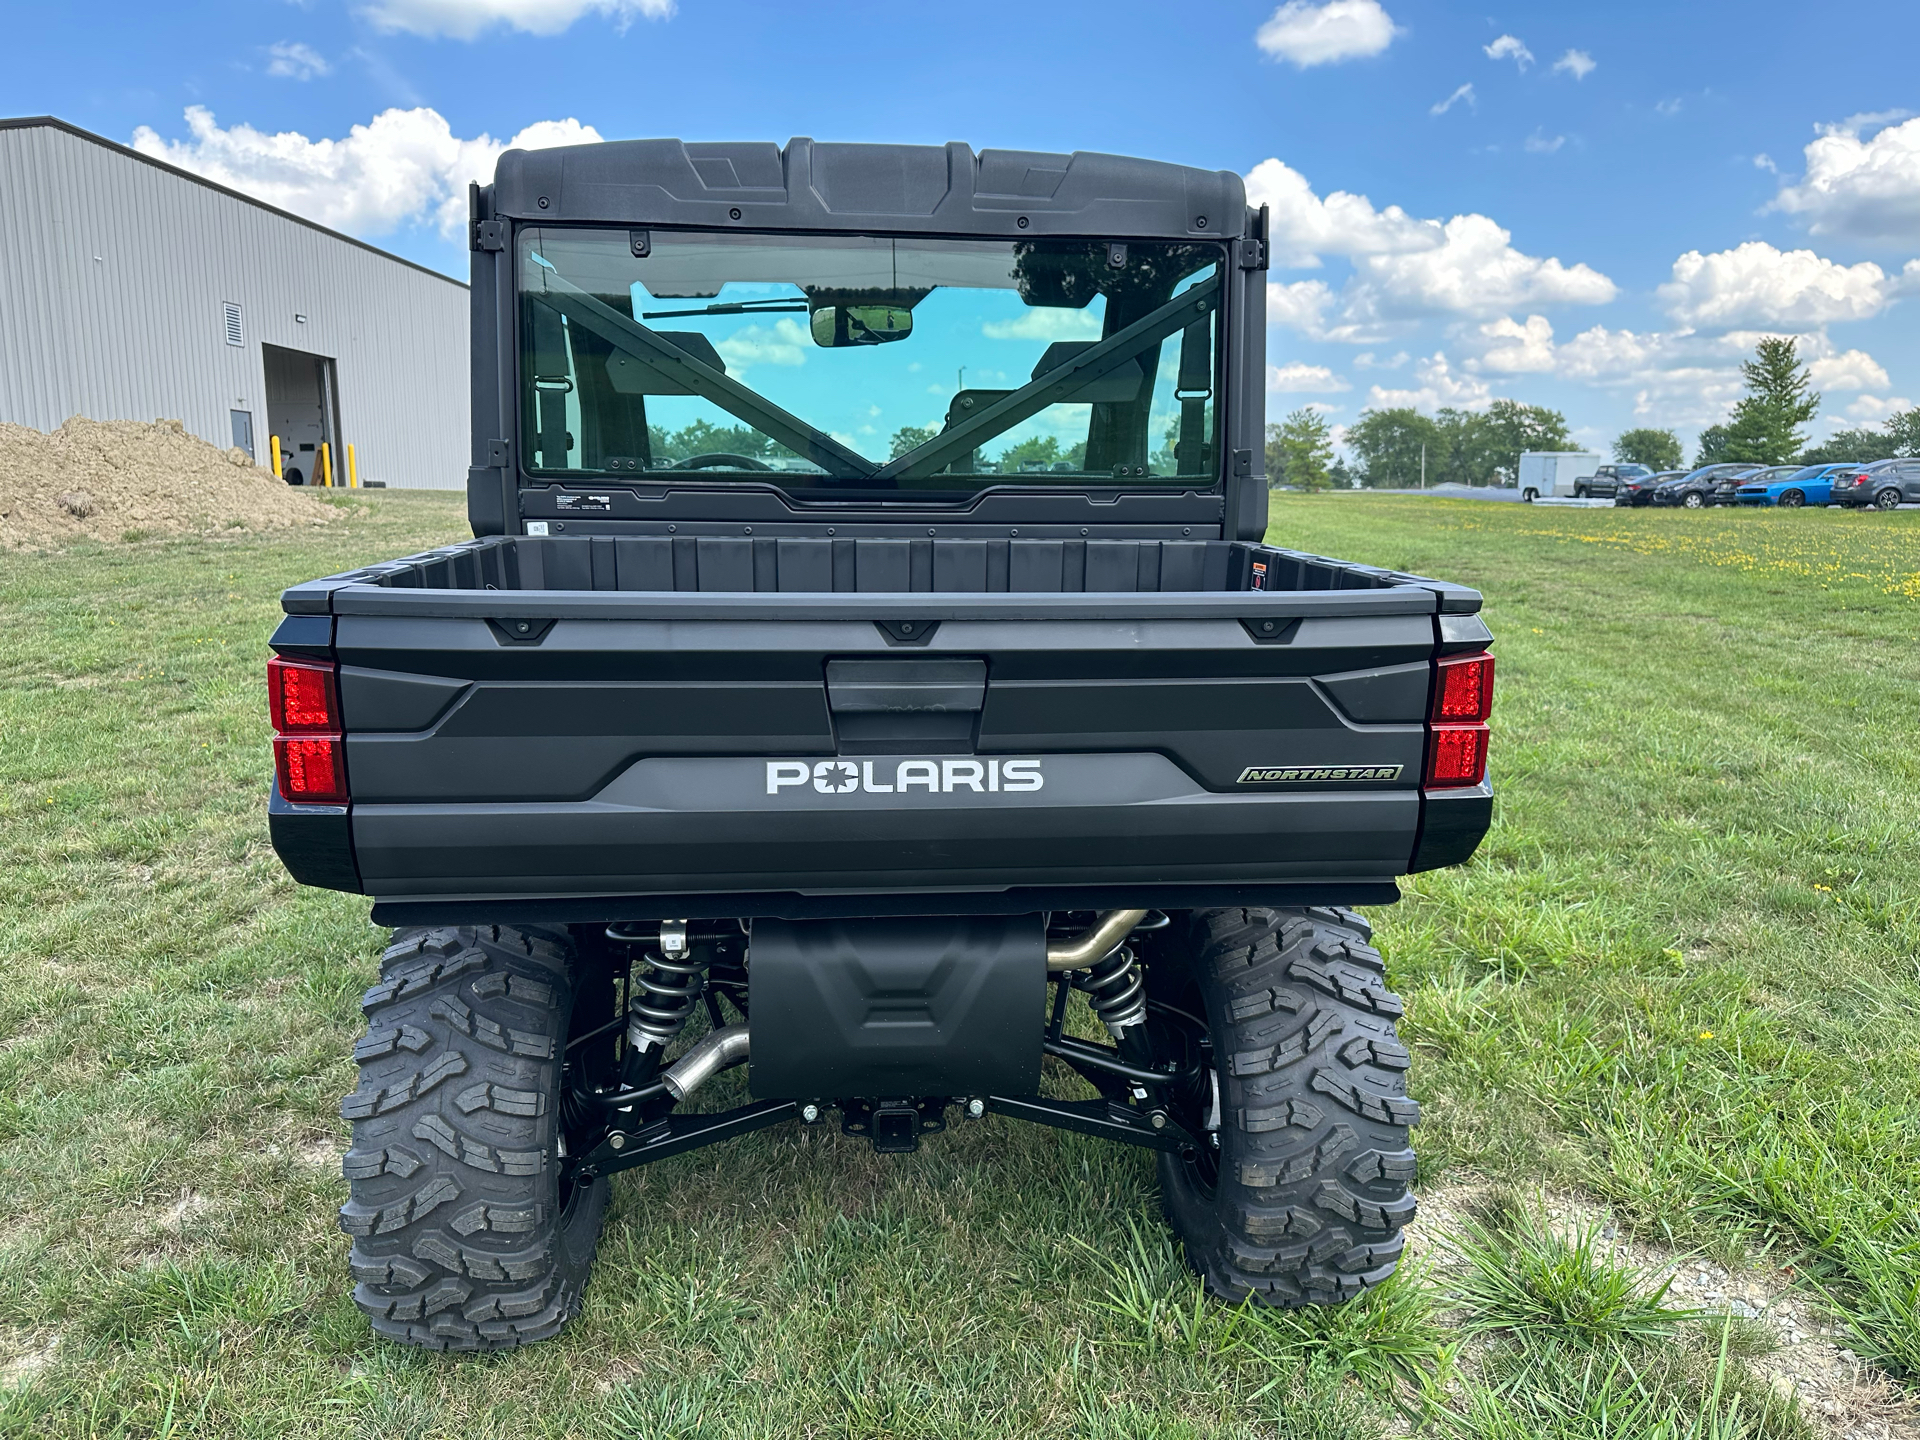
point(1784, 485)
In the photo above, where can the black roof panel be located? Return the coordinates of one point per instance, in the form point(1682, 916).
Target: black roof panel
point(907, 188)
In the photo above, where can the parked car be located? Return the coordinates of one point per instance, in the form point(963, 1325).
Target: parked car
point(1639, 491)
point(1799, 485)
point(1884, 484)
point(1709, 485)
point(1604, 483)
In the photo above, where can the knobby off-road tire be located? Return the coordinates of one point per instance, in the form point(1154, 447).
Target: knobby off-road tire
point(1305, 1200)
point(462, 1236)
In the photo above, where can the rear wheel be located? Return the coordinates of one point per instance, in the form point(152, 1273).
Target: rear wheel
point(1792, 499)
point(1300, 1189)
point(1888, 499)
point(464, 1236)
point(1693, 500)
point(1529, 496)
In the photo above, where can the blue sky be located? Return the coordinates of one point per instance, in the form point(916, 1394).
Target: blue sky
point(1625, 197)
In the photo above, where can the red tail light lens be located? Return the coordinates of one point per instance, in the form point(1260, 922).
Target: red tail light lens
point(311, 768)
point(302, 696)
point(309, 754)
point(1457, 756)
point(1463, 689)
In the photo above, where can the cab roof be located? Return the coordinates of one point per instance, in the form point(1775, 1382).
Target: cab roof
point(809, 185)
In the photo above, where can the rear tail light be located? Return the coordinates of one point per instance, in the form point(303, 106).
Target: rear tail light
point(1457, 736)
point(1457, 756)
point(309, 751)
point(1463, 688)
point(302, 696)
point(311, 769)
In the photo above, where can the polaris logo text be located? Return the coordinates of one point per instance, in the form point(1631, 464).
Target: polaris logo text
point(1274, 774)
point(890, 777)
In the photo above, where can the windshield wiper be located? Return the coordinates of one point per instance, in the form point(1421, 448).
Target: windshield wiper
point(1060, 383)
point(702, 379)
point(731, 307)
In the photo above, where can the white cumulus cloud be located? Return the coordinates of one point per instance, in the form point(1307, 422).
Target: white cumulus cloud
point(1475, 270)
point(785, 344)
point(1438, 386)
point(1539, 144)
point(1465, 92)
point(1603, 354)
point(1577, 63)
point(1874, 409)
point(1849, 370)
point(1305, 226)
point(291, 60)
point(1300, 306)
point(1755, 285)
point(1045, 323)
point(1308, 34)
point(466, 19)
point(1404, 267)
point(1302, 379)
point(1860, 186)
point(1514, 348)
point(1510, 47)
point(402, 167)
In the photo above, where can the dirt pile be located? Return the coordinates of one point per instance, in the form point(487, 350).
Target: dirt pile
point(116, 480)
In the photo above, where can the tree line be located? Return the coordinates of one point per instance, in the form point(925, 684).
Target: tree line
point(1395, 448)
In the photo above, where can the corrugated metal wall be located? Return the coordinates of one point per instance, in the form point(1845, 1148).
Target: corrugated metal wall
point(114, 275)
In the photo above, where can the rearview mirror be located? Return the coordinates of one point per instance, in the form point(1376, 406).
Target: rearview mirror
point(836, 325)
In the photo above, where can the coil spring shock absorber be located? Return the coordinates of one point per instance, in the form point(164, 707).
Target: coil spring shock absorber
point(1116, 991)
point(666, 988)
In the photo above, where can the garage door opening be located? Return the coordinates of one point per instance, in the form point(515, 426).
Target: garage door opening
point(303, 414)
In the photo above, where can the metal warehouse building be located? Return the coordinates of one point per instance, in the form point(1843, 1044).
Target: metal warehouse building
point(132, 290)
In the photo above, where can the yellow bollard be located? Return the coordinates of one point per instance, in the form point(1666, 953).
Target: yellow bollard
point(326, 466)
point(274, 441)
point(353, 470)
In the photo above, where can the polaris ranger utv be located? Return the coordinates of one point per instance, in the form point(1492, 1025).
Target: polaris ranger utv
point(869, 642)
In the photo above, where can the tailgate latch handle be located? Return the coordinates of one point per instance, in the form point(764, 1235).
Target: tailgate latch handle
point(898, 687)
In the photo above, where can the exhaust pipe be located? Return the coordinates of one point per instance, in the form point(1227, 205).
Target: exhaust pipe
point(1096, 944)
point(715, 1051)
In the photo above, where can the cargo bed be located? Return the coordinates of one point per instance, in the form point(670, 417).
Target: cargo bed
point(609, 726)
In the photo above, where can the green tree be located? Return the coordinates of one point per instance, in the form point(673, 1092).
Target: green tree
point(1483, 447)
point(1713, 446)
point(1849, 446)
point(703, 437)
point(1509, 427)
point(1469, 445)
point(1387, 443)
point(910, 437)
point(1655, 449)
point(1765, 427)
point(1904, 430)
point(1038, 447)
point(1305, 444)
point(1341, 476)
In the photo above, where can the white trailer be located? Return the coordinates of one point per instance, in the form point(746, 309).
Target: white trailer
point(1546, 473)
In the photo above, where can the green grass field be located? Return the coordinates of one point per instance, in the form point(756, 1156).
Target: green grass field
point(1682, 976)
